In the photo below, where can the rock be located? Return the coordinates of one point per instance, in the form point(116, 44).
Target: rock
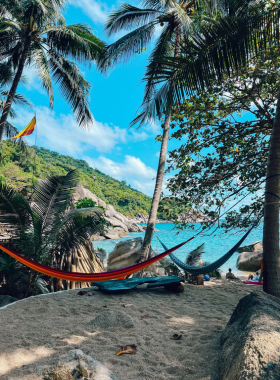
point(257, 246)
point(101, 203)
point(133, 227)
point(251, 340)
point(6, 300)
point(249, 261)
point(76, 365)
point(127, 253)
point(81, 193)
point(112, 319)
point(110, 211)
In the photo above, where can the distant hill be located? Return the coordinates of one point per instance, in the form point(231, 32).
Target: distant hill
point(19, 168)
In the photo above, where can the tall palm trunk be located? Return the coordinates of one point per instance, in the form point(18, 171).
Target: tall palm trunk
point(271, 255)
point(13, 89)
point(161, 165)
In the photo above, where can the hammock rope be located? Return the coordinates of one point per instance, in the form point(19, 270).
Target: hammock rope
point(211, 267)
point(88, 277)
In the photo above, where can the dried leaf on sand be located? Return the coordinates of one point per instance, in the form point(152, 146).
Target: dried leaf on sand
point(129, 349)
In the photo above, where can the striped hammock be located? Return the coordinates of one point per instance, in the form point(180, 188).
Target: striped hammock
point(87, 277)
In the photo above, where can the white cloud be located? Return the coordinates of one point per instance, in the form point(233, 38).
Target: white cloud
point(134, 171)
point(96, 10)
point(61, 133)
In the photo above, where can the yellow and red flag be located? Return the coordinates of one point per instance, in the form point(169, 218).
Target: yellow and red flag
point(27, 130)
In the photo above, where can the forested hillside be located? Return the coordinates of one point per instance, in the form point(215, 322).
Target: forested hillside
point(19, 168)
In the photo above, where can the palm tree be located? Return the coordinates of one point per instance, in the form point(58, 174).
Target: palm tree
point(45, 228)
point(226, 48)
point(6, 78)
point(174, 19)
point(33, 33)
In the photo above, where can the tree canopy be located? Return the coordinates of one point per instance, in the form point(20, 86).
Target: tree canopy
point(225, 133)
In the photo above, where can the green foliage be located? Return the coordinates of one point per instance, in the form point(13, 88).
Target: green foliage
point(194, 256)
point(227, 129)
point(45, 228)
point(38, 36)
point(84, 203)
point(13, 272)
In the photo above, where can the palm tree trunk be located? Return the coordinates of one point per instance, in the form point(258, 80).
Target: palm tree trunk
point(271, 255)
point(13, 89)
point(161, 165)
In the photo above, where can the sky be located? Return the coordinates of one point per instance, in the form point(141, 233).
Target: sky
point(124, 153)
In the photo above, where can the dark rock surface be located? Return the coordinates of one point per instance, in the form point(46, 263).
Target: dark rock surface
point(250, 343)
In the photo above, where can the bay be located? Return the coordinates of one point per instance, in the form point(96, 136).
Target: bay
point(215, 245)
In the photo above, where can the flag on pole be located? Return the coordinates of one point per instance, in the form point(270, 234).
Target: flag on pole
point(27, 130)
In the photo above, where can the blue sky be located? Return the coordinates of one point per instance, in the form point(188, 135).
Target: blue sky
point(124, 153)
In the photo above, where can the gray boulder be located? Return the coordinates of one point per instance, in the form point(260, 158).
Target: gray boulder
point(250, 255)
point(256, 246)
point(6, 300)
point(81, 193)
point(251, 340)
point(249, 261)
point(127, 253)
point(76, 365)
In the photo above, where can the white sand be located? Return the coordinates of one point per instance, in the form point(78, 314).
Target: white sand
point(39, 330)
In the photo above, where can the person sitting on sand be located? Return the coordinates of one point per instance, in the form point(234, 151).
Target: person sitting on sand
point(255, 277)
point(230, 275)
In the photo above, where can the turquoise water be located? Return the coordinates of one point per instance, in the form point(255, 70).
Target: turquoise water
point(214, 246)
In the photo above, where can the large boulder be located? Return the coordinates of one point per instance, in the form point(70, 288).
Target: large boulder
point(127, 253)
point(249, 261)
point(6, 300)
point(76, 365)
point(256, 246)
point(110, 211)
point(81, 193)
point(250, 255)
point(250, 343)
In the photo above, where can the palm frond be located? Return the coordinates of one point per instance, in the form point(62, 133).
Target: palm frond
point(122, 50)
point(14, 209)
point(41, 64)
point(76, 41)
point(128, 17)
point(194, 256)
point(72, 86)
point(51, 197)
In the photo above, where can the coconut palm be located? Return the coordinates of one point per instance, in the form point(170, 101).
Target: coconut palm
point(33, 33)
point(6, 78)
point(226, 48)
point(174, 19)
point(45, 228)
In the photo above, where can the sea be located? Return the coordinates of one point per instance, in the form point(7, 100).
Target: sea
point(216, 242)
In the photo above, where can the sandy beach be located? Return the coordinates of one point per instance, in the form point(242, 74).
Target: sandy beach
point(38, 330)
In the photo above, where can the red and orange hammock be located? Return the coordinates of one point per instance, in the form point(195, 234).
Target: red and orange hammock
point(88, 277)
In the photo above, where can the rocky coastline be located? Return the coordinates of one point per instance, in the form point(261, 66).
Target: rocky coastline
point(121, 224)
